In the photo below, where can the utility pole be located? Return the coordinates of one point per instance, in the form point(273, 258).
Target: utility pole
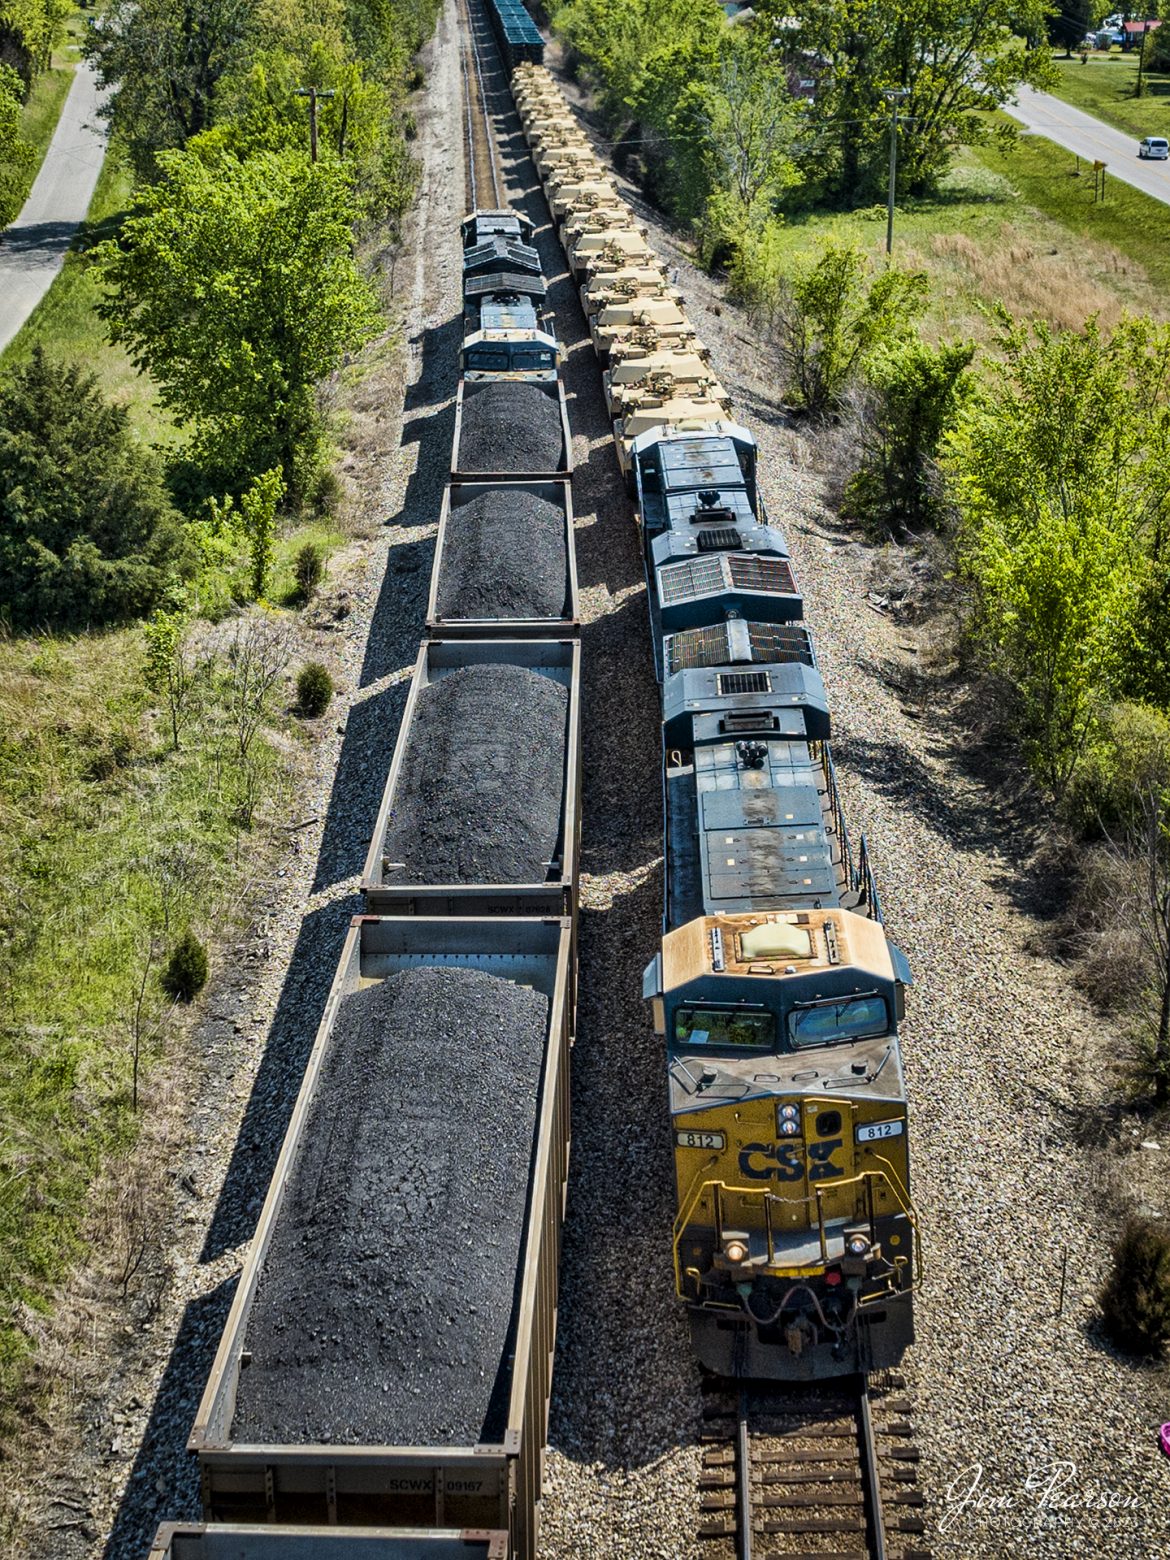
point(313, 93)
point(893, 96)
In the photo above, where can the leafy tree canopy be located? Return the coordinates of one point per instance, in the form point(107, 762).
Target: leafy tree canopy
point(234, 285)
point(87, 533)
point(953, 60)
point(28, 31)
point(16, 155)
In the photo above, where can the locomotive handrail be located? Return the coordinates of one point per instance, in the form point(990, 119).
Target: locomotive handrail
point(888, 1175)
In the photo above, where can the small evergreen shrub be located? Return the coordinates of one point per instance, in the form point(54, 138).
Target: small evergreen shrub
point(186, 972)
point(1135, 1300)
point(314, 689)
point(309, 569)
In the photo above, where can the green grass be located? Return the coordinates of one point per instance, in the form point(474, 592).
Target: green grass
point(1105, 87)
point(41, 111)
point(108, 839)
point(66, 324)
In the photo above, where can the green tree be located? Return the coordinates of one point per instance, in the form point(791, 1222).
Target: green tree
point(955, 61)
point(1060, 469)
point(258, 507)
point(165, 60)
point(358, 125)
point(1069, 22)
point(234, 285)
point(833, 315)
point(16, 156)
point(729, 125)
point(171, 673)
point(87, 533)
point(29, 29)
point(914, 395)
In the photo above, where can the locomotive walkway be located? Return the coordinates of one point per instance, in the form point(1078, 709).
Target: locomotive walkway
point(33, 249)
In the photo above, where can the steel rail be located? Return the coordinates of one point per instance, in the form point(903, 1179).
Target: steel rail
point(870, 1476)
point(743, 1494)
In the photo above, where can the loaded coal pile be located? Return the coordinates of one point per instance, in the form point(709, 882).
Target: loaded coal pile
point(509, 427)
point(383, 1313)
point(503, 557)
point(480, 789)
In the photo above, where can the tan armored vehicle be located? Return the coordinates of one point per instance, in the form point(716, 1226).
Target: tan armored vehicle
point(681, 413)
point(632, 281)
point(661, 375)
point(595, 219)
point(616, 320)
point(608, 250)
point(576, 152)
point(574, 193)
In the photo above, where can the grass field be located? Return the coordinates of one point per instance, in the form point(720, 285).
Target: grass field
point(1018, 227)
point(1105, 87)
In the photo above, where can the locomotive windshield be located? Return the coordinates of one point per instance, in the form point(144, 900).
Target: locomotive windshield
point(849, 1018)
point(725, 1027)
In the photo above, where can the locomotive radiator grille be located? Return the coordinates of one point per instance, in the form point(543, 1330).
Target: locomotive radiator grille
point(744, 682)
point(724, 571)
point(714, 646)
point(780, 642)
point(762, 574)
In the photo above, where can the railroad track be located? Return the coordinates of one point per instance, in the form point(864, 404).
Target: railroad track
point(484, 181)
point(824, 1472)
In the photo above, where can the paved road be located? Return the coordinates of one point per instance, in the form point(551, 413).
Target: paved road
point(1079, 132)
point(32, 250)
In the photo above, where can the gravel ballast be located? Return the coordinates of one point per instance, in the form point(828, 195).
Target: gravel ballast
point(481, 787)
point(510, 427)
point(384, 1308)
point(503, 557)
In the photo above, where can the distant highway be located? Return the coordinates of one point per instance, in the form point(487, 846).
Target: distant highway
point(1092, 140)
point(33, 249)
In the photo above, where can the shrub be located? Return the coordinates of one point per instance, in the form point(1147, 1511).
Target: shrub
point(1135, 1299)
point(832, 316)
point(309, 569)
point(314, 689)
point(1128, 754)
point(186, 972)
point(87, 533)
point(916, 394)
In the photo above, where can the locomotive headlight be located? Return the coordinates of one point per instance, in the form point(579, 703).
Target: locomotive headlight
point(736, 1251)
point(789, 1127)
point(857, 1244)
point(788, 1113)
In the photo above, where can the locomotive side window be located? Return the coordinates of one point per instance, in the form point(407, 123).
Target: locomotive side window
point(725, 1027)
point(850, 1018)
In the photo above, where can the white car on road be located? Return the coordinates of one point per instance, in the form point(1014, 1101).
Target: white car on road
point(1155, 146)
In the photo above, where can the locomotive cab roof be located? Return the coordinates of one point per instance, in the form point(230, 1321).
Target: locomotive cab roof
point(807, 982)
point(505, 223)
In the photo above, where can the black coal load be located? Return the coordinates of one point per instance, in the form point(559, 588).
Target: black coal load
point(503, 557)
point(480, 789)
point(509, 427)
point(384, 1310)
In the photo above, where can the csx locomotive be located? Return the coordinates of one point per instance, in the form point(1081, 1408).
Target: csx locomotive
point(776, 988)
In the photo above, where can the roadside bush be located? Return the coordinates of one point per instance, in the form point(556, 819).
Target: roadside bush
point(186, 973)
point(87, 533)
point(1128, 753)
point(1135, 1299)
point(831, 318)
point(916, 393)
point(314, 689)
point(309, 570)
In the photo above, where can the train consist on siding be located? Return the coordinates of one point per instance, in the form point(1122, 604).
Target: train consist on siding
point(776, 988)
point(382, 1384)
